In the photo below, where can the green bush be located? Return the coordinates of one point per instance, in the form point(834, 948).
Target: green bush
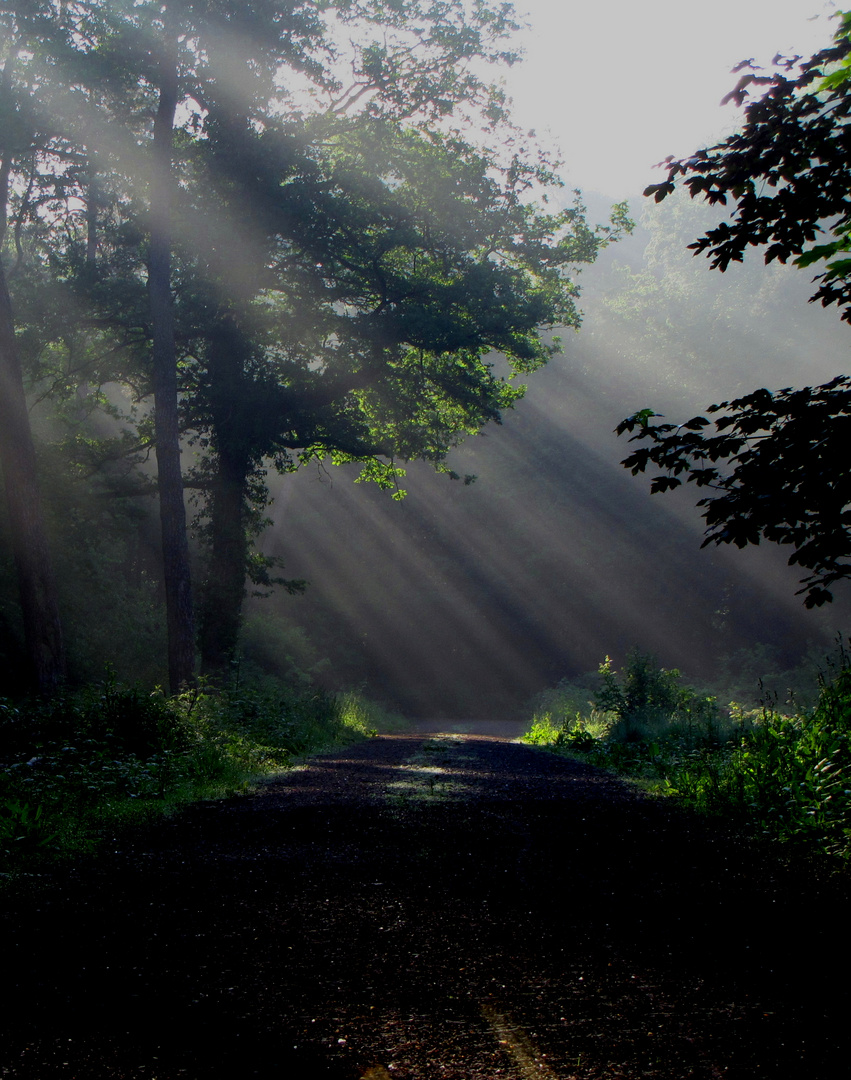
point(363, 716)
point(649, 700)
point(126, 720)
point(787, 777)
point(78, 766)
point(275, 720)
point(793, 774)
point(23, 827)
point(272, 646)
point(542, 731)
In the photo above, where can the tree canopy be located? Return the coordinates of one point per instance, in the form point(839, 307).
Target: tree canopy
point(786, 170)
point(778, 460)
point(307, 231)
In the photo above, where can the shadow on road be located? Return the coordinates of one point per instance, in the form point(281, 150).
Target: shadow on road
point(467, 909)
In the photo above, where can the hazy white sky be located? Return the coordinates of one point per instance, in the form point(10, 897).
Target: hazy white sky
point(621, 84)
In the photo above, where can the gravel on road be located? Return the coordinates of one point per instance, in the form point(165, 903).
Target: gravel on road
point(444, 906)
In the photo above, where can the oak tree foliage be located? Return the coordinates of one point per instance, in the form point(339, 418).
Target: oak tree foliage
point(776, 463)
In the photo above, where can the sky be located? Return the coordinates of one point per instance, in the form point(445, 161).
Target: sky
point(621, 85)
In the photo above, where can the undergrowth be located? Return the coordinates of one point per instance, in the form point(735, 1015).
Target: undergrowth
point(78, 767)
point(786, 776)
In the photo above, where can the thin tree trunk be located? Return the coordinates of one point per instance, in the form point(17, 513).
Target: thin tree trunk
point(92, 200)
point(178, 586)
point(42, 629)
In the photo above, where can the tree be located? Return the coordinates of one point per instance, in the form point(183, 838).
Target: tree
point(69, 52)
point(155, 60)
point(779, 460)
point(25, 141)
point(176, 573)
point(382, 305)
point(192, 67)
point(310, 227)
point(789, 483)
point(388, 256)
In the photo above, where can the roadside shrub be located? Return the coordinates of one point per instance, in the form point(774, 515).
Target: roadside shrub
point(793, 774)
point(125, 719)
point(649, 700)
point(275, 719)
point(786, 776)
point(83, 763)
point(363, 717)
point(23, 827)
point(578, 731)
point(542, 730)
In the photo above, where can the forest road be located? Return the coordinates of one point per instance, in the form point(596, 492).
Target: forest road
point(453, 907)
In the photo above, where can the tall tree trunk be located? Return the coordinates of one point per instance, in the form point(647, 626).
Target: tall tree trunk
point(227, 559)
point(224, 587)
point(178, 586)
point(36, 584)
point(42, 629)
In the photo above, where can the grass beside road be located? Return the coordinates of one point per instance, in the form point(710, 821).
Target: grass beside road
point(783, 775)
point(79, 767)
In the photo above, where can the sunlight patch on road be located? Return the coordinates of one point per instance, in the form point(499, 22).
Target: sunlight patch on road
point(428, 775)
point(526, 1057)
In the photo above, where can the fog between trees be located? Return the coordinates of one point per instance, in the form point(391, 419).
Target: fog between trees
point(464, 600)
point(351, 324)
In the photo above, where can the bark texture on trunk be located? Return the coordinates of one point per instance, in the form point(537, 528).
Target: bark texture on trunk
point(178, 585)
point(37, 587)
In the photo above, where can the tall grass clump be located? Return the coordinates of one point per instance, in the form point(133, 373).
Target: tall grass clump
point(791, 775)
point(364, 717)
point(784, 776)
point(75, 768)
point(566, 716)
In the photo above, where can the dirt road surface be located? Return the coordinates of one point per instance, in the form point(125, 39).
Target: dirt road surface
point(430, 906)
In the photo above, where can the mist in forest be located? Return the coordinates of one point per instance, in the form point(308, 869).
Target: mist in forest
point(463, 600)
